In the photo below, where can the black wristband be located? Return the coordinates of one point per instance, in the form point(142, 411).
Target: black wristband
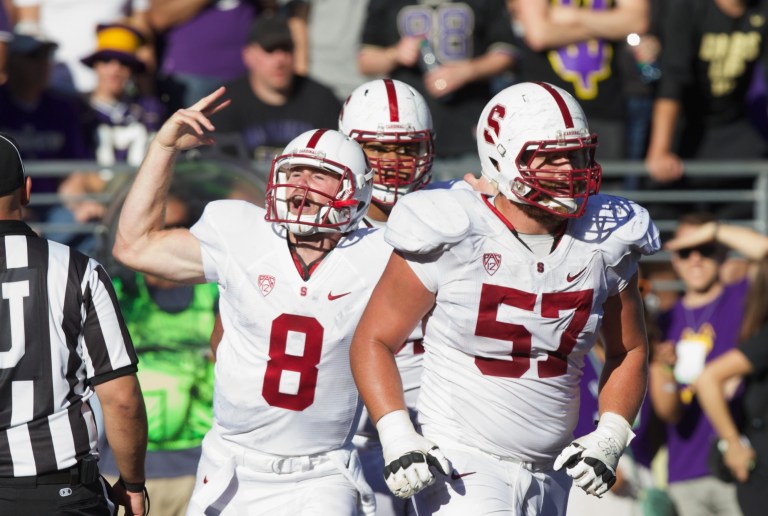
point(132, 487)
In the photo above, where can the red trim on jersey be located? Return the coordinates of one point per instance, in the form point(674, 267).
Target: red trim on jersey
point(558, 234)
point(560, 104)
point(394, 110)
point(315, 138)
point(495, 210)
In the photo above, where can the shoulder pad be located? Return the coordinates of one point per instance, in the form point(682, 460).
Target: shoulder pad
point(619, 220)
point(428, 221)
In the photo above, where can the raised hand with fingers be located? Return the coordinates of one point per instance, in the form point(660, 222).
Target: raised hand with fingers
point(591, 460)
point(190, 127)
point(408, 456)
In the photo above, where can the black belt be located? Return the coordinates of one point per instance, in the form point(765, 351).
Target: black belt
point(86, 471)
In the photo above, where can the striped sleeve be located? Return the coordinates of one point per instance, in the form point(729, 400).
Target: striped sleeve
point(107, 347)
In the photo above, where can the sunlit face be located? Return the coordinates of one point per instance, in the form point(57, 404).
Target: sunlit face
point(313, 188)
point(698, 267)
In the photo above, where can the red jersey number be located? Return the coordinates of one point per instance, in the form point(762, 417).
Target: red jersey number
point(280, 362)
point(552, 304)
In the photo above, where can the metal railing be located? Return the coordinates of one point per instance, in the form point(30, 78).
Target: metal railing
point(616, 175)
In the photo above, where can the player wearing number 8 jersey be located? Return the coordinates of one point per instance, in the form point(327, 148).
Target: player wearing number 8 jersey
point(518, 286)
point(292, 279)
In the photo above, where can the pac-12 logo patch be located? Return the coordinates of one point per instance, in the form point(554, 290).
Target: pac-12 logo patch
point(266, 284)
point(491, 262)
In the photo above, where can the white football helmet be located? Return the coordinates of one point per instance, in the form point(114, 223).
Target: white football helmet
point(326, 150)
point(533, 120)
point(391, 112)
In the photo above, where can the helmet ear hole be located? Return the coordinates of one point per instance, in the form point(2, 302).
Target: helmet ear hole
point(495, 164)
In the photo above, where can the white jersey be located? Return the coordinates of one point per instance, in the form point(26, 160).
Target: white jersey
point(506, 342)
point(283, 381)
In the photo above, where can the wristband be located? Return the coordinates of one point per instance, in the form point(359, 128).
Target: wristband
point(132, 487)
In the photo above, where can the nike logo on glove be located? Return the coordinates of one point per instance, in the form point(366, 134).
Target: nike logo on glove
point(331, 297)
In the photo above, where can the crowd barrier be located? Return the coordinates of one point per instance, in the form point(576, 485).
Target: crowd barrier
point(620, 178)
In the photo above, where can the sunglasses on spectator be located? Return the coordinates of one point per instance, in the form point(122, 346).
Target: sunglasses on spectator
point(706, 251)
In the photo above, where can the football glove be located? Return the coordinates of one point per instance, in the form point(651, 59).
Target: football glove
point(408, 456)
point(591, 460)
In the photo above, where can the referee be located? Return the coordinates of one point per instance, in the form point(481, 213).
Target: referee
point(62, 338)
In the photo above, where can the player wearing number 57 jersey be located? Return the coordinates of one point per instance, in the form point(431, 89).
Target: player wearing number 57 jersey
point(518, 286)
point(293, 281)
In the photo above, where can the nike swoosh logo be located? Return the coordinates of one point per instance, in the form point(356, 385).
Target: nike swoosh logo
point(575, 276)
point(331, 297)
point(456, 475)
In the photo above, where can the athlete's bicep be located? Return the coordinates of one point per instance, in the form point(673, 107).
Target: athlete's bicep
point(173, 254)
point(397, 305)
point(623, 325)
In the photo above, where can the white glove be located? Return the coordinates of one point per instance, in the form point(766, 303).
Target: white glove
point(407, 455)
point(591, 460)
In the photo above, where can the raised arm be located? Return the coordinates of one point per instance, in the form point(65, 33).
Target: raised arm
point(746, 241)
point(141, 243)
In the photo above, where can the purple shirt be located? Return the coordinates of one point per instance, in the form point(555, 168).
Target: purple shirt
point(50, 130)
point(210, 44)
point(5, 27)
point(689, 440)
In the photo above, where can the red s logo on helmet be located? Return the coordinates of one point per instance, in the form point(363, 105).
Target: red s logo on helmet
point(495, 116)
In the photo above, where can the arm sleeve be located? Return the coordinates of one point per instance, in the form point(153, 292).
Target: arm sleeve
point(679, 38)
point(214, 248)
point(107, 345)
point(374, 33)
point(498, 35)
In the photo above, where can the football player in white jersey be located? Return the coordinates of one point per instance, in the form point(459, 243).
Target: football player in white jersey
point(293, 279)
point(516, 286)
point(392, 123)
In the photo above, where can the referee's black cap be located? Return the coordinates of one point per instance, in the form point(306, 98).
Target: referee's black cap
point(11, 167)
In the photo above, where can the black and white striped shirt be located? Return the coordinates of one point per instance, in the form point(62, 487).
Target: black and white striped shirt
point(61, 333)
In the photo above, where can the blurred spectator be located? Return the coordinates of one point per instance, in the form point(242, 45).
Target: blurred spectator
point(703, 325)
point(747, 459)
point(639, 59)
point(448, 52)
point(47, 124)
point(202, 42)
point(332, 38)
point(120, 123)
point(273, 104)
point(5, 37)
point(710, 50)
point(72, 24)
point(170, 325)
point(574, 45)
